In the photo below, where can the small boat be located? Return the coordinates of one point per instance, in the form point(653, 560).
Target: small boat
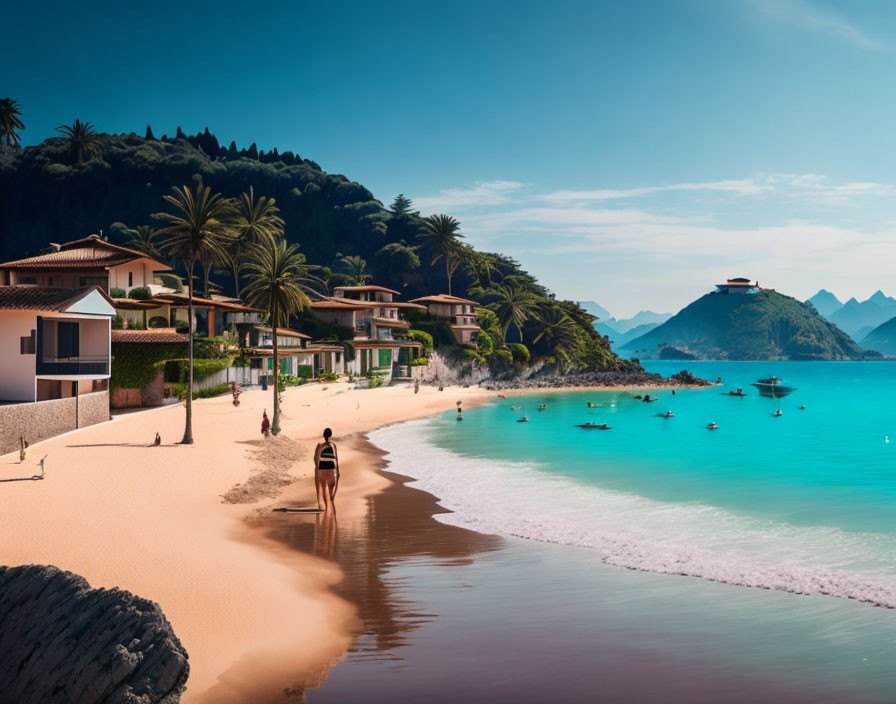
point(778, 413)
point(667, 414)
point(592, 404)
point(712, 426)
point(524, 419)
point(594, 426)
point(738, 393)
point(647, 399)
point(543, 407)
point(773, 387)
point(516, 408)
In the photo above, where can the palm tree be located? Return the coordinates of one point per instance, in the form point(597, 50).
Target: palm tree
point(144, 239)
point(276, 274)
point(10, 122)
point(83, 140)
point(514, 305)
point(441, 234)
point(202, 223)
point(561, 330)
point(258, 219)
point(355, 269)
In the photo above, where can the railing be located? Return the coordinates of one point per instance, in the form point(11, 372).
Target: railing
point(84, 365)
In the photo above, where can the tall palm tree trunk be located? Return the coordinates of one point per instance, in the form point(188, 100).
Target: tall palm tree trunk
point(275, 424)
point(448, 273)
point(236, 276)
point(188, 427)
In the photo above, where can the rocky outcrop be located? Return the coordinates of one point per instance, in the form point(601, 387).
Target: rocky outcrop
point(608, 378)
point(61, 641)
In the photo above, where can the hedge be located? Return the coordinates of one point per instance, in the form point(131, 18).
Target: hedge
point(176, 370)
point(305, 371)
point(135, 365)
point(117, 293)
point(141, 293)
point(180, 390)
point(171, 281)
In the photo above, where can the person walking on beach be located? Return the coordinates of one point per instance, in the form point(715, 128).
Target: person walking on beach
point(326, 471)
point(265, 423)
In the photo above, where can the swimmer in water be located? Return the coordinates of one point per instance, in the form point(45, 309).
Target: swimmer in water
point(777, 413)
point(712, 426)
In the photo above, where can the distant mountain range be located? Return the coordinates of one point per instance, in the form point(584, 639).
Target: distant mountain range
point(766, 325)
point(623, 330)
point(856, 318)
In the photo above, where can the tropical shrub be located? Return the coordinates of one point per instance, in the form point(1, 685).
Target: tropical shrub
point(419, 361)
point(520, 352)
point(477, 357)
point(141, 293)
point(328, 376)
point(117, 322)
point(117, 293)
point(182, 327)
point(484, 341)
point(424, 338)
point(305, 371)
point(158, 321)
point(504, 354)
point(134, 366)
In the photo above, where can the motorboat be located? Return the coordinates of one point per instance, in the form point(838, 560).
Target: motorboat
point(773, 387)
point(594, 426)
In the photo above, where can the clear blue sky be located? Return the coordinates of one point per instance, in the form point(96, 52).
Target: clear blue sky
point(626, 152)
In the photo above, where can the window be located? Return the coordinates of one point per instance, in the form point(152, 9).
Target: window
point(130, 279)
point(67, 343)
point(27, 279)
point(26, 344)
point(84, 281)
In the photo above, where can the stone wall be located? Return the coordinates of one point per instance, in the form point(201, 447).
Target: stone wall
point(45, 419)
point(62, 641)
point(93, 408)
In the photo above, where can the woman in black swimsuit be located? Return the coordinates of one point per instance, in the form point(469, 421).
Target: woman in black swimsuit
point(326, 471)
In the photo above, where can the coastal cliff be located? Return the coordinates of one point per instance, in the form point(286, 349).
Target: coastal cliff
point(62, 641)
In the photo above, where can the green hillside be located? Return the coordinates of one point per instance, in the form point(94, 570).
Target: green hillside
point(882, 339)
point(767, 325)
point(53, 192)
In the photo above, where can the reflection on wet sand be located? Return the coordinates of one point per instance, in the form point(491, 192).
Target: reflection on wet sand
point(397, 526)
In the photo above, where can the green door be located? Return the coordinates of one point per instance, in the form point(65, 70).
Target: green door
point(385, 358)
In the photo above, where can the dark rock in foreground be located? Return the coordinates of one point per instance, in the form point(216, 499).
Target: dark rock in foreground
point(609, 378)
point(61, 641)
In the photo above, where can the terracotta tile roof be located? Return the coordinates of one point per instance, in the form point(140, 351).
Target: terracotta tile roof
point(342, 304)
point(87, 253)
point(180, 299)
point(444, 298)
point(153, 335)
point(321, 346)
point(366, 288)
point(44, 297)
point(286, 332)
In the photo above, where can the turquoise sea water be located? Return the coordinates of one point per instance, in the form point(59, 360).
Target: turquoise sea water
point(804, 502)
point(784, 526)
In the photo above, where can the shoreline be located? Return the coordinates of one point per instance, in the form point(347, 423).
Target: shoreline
point(122, 513)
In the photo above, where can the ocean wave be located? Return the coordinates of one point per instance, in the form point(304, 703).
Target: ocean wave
point(637, 533)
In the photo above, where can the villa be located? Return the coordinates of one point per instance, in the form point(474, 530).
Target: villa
point(55, 343)
point(92, 261)
point(373, 316)
point(738, 286)
point(460, 313)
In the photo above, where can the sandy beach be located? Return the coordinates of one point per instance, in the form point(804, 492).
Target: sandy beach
point(253, 614)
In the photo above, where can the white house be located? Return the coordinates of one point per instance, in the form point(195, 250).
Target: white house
point(54, 342)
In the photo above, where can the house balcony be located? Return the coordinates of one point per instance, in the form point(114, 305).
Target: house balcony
point(76, 366)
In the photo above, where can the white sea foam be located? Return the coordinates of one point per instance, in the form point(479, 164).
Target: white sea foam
point(518, 499)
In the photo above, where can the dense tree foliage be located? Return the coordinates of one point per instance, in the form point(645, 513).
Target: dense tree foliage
point(11, 122)
point(48, 193)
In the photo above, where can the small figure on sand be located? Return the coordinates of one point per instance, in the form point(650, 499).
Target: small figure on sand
point(265, 424)
point(158, 440)
point(416, 386)
point(23, 445)
point(326, 471)
point(236, 391)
